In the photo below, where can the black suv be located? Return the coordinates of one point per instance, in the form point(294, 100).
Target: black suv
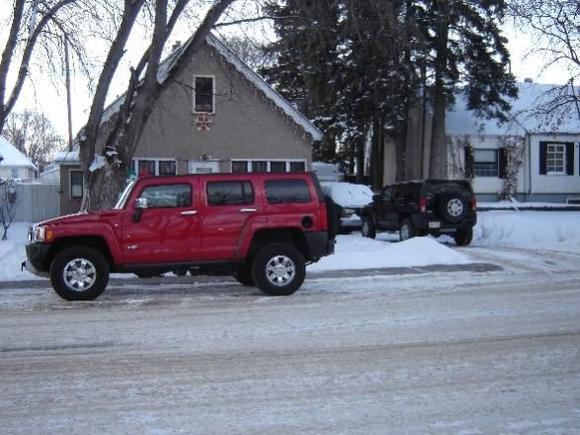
point(418, 208)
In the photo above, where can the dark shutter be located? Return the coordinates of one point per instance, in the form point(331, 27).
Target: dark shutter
point(503, 162)
point(569, 158)
point(543, 152)
point(468, 162)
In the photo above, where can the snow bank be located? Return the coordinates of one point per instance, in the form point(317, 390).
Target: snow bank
point(356, 252)
point(12, 253)
point(530, 229)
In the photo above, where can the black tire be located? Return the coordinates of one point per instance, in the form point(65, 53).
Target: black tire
point(180, 272)
point(244, 276)
point(368, 227)
point(463, 237)
point(91, 268)
point(452, 208)
point(406, 230)
point(291, 274)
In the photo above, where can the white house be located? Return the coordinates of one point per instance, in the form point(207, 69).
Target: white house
point(548, 151)
point(14, 164)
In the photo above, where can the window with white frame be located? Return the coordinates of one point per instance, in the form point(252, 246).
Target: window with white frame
point(556, 159)
point(485, 163)
point(149, 167)
point(203, 94)
point(76, 184)
point(244, 166)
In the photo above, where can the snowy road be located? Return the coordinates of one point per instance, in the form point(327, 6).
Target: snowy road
point(462, 352)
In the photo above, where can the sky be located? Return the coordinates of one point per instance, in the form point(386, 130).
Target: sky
point(47, 95)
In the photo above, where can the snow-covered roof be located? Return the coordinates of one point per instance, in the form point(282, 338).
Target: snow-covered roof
point(13, 157)
point(67, 157)
point(524, 116)
point(213, 41)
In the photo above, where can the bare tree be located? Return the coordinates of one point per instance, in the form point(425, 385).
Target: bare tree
point(105, 173)
point(555, 27)
point(33, 25)
point(33, 134)
point(8, 205)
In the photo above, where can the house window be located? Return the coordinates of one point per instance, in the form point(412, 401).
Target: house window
point(297, 166)
point(555, 159)
point(259, 166)
point(76, 184)
point(203, 94)
point(485, 163)
point(14, 172)
point(147, 168)
point(277, 166)
point(167, 167)
point(244, 166)
point(239, 166)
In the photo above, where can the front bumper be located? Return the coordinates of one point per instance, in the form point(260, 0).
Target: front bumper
point(36, 254)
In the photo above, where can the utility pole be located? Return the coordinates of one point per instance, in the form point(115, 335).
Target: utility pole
point(68, 93)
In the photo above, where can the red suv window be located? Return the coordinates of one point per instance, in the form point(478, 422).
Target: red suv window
point(287, 191)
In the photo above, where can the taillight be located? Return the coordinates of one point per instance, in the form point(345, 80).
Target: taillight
point(473, 203)
point(422, 204)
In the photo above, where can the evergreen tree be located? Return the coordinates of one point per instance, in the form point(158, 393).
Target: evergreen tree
point(306, 54)
point(465, 47)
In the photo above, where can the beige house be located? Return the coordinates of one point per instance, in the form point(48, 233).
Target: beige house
point(217, 115)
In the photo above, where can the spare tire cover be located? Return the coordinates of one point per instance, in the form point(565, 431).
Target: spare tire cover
point(452, 208)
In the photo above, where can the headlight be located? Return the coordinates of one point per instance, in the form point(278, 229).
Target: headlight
point(40, 233)
point(37, 233)
point(347, 212)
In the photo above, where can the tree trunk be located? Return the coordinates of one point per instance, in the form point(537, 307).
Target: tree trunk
point(360, 158)
point(438, 158)
point(110, 180)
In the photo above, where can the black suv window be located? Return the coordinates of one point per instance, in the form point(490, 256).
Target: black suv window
point(230, 193)
point(287, 191)
point(387, 194)
point(168, 196)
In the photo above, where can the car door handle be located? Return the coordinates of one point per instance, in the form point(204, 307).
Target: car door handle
point(248, 210)
point(189, 213)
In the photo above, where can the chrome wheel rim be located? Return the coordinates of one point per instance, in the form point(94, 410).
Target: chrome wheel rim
point(280, 270)
point(79, 274)
point(455, 207)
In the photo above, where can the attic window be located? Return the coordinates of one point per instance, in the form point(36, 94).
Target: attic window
point(203, 94)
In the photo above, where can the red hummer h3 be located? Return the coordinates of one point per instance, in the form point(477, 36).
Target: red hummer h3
point(262, 228)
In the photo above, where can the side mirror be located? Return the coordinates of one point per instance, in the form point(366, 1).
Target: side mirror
point(140, 205)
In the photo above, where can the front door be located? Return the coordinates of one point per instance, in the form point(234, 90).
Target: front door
point(203, 166)
point(168, 230)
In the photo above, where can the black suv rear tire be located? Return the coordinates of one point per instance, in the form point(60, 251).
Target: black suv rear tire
point(463, 237)
point(79, 273)
point(368, 227)
point(278, 269)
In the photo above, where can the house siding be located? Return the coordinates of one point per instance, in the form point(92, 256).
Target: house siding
point(245, 124)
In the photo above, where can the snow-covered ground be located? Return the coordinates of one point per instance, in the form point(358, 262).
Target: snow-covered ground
point(555, 231)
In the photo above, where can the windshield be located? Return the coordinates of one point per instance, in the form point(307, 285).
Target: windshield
point(123, 196)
